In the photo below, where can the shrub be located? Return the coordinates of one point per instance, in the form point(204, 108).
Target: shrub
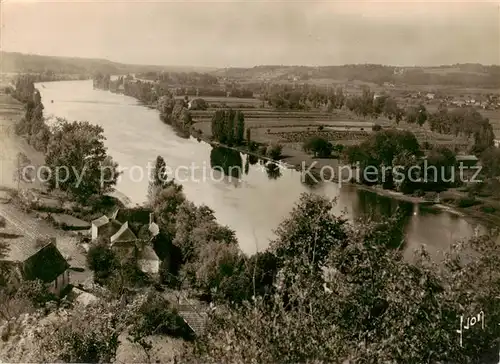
point(274, 151)
point(466, 202)
point(376, 127)
point(36, 292)
point(320, 128)
point(101, 260)
point(87, 335)
point(488, 209)
point(320, 147)
point(152, 315)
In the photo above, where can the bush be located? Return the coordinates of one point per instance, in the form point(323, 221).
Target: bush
point(488, 209)
point(320, 147)
point(376, 127)
point(36, 292)
point(153, 315)
point(101, 260)
point(320, 128)
point(87, 335)
point(467, 202)
point(274, 151)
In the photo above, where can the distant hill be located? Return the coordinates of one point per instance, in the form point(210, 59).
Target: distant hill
point(461, 75)
point(13, 62)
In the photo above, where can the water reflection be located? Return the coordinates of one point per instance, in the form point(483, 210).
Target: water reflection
point(375, 207)
point(273, 170)
point(252, 159)
point(226, 160)
point(247, 165)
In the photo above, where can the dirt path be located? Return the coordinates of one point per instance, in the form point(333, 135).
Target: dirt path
point(11, 111)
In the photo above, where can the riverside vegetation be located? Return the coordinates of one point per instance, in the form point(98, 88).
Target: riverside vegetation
point(326, 291)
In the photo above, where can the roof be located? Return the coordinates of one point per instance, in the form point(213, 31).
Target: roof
point(148, 253)
point(70, 221)
point(133, 215)
point(46, 264)
point(466, 158)
point(109, 229)
point(196, 320)
point(20, 249)
point(124, 234)
point(100, 221)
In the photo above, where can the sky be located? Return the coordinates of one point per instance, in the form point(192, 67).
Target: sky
point(249, 33)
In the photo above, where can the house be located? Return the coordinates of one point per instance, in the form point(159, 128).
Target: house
point(124, 232)
point(496, 142)
point(147, 260)
point(136, 218)
point(30, 260)
point(104, 227)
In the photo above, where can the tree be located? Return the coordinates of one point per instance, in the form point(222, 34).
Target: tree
point(422, 115)
point(320, 147)
point(248, 136)
point(165, 208)
point(101, 260)
point(412, 115)
point(158, 179)
point(376, 127)
point(78, 161)
point(21, 174)
point(240, 127)
point(490, 161)
point(230, 124)
point(218, 268)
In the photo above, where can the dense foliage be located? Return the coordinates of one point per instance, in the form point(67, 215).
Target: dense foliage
point(344, 292)
point(228, 127)
point(78, 161)
point(318, 146)
point(466, 122)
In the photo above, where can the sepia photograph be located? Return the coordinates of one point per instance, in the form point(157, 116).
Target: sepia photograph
point(250, 181)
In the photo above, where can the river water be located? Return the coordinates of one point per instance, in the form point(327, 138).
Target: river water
point(255, 203)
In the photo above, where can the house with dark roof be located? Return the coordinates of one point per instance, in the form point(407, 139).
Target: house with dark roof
point(31, 260)
point(120, 232)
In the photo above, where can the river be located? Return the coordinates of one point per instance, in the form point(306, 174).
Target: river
point(252, 205)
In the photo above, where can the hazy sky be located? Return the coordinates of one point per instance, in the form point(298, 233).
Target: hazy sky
point(247, 33)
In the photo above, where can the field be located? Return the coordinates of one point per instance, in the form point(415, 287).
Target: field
point(234, 102)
